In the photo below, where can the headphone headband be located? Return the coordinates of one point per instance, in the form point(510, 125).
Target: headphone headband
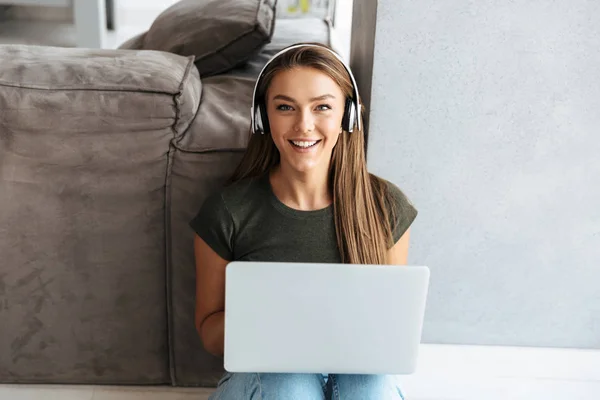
point(355, 99)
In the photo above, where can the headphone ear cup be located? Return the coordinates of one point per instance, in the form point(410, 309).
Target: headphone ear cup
point(263, 118)
point(261, 122)
point(257, 128)
point(349, 118)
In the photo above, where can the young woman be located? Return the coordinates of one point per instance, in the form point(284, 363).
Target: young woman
point(301, 193)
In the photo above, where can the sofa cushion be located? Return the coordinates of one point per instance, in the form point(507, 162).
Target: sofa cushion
point(85, 155)
point(220, 34)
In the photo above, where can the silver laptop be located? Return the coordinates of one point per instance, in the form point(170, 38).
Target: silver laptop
point(323, 318)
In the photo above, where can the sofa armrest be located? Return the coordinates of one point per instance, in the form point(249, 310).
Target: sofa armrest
point(85, 156)
point(85, 74)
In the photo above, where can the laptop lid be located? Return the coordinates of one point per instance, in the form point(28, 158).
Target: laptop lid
point(323, 318)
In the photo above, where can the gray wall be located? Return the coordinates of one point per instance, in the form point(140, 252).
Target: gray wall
point(487, 114)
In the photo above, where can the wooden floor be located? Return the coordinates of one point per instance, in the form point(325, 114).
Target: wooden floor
point(60, 392)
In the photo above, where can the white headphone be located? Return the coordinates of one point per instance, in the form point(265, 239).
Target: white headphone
point(258, 111)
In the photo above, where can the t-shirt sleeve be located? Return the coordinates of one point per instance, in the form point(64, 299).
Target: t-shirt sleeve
point(214, 224)
point(404, 212)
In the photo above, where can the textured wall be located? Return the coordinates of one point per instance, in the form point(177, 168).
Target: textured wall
point(487, 114)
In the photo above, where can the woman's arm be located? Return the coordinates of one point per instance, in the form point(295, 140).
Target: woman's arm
point(210, 297)
point(398, 254)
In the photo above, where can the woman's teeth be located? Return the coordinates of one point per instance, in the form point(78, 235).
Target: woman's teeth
point(304, 144)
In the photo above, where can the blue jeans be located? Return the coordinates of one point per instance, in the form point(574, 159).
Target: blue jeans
point(242, 386)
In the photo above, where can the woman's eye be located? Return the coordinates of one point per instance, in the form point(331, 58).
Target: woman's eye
point(284, 107)
point(324, 107)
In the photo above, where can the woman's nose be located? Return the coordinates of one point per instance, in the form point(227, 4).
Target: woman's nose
point(305, 122)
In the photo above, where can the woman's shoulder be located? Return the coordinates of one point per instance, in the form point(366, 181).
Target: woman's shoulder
point(392, 192)
point(242, 191)
point(221, 211)
point(401, 210)
point(228, 203)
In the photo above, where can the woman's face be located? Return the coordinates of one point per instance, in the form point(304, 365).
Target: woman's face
point(305, 109)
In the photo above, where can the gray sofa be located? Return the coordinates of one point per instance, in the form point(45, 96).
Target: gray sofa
point(105, 155)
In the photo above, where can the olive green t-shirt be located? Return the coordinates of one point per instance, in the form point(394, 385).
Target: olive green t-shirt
point(245, 221)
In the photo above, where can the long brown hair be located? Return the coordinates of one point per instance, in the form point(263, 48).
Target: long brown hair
point(361, 204)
